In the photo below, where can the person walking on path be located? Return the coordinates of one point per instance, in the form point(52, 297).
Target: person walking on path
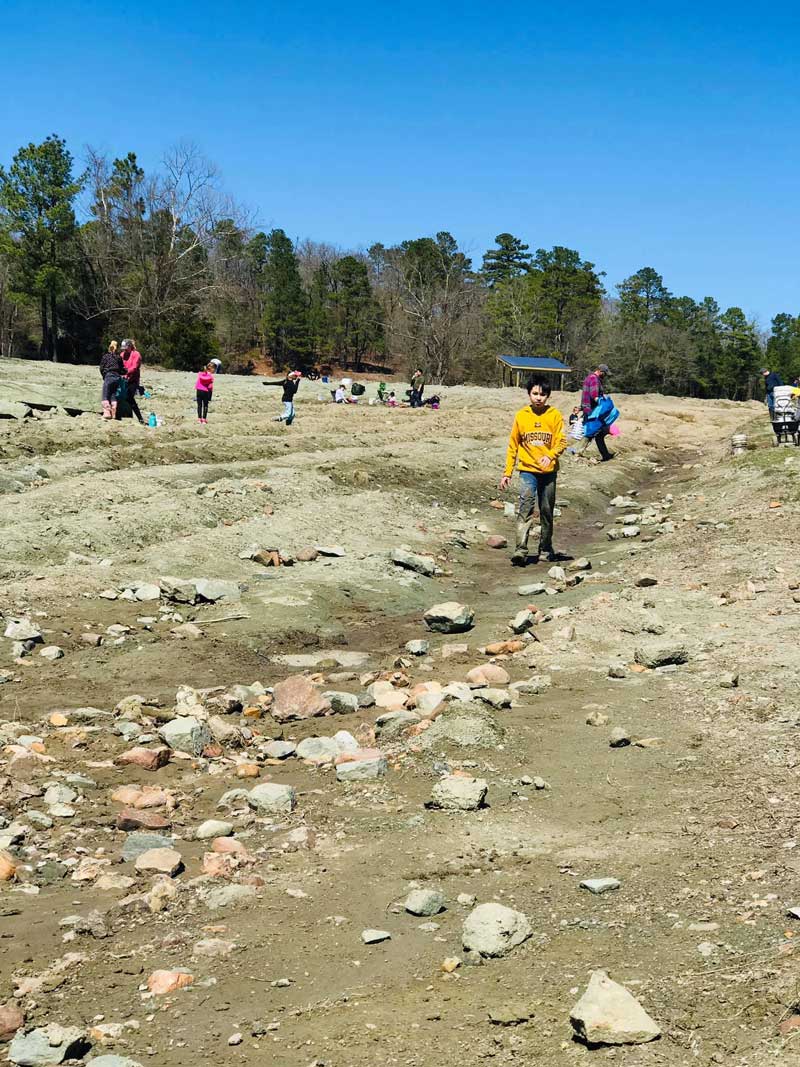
point(537, 440)
point(771, 380)
point(290, 385)
point(590, 394)
point(204, 388)
point(112, 370)
point(133, 364)
point(417, 388)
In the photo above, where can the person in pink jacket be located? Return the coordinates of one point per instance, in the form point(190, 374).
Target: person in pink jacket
point(204, 387)
point(133, 364)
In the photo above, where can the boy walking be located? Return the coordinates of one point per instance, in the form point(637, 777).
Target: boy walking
point(537, 440)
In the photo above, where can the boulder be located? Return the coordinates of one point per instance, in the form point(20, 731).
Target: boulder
point(654, 656)
point(280, 749)
point(271, 798)
point(361, 770)
point(149, 759)
point(390, 726)
point(296, 698)
point(147, 591)
point(488, 674)
point(47, 1045)
point(494, 930)
point(449, 618)
point(412, 561)
point(457, 792)
point(214, 589)
point(186, 734)
point(213, 828)
point(424, 902)
point(12, 1017)
point(496, 541)
point(417, 648)
point(178, 590)
point(22, 630)
point(341, 703)
point(607, 1014)
point(318, 749)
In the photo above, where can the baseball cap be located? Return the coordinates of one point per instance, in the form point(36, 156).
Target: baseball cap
point(604, 368)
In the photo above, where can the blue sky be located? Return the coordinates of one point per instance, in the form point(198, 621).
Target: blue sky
point(642, 135)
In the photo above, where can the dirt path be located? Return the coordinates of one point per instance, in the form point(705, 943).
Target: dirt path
point(698, 825)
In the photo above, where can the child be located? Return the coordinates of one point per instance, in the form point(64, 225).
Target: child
point(574, 415)
point(392, 400)
point(204, 387)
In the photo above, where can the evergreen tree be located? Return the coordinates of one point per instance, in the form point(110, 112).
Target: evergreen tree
point(783, 347)
point(286, 307)
point(510, 259)
point(571, 297)
point(643, 298)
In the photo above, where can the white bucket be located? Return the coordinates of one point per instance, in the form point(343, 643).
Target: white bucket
point(739, 444)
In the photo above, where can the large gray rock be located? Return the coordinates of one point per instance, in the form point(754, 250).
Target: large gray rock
point(457, 793)
point(653, 656)
point(213, 589)
point(607, 1014)
point(178, 590)
point(494, 929)
point(412, 561)
point(361, 770)
point(272, 798)
point(186, 734)
point(14, 409)
point(424, 902)
point(22, 630)
point(318, 748)
point(341, 703)
point(449, 618)
point(47, 1045)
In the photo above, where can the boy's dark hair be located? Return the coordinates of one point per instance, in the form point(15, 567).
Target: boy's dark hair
point(543, 385)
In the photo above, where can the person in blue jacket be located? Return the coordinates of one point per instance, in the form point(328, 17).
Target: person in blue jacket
point(771, 379)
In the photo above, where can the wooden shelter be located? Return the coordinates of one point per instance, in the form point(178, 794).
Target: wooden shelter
point(514, 369)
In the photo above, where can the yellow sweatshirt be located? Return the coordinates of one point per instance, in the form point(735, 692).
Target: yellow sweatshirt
point(534, 436)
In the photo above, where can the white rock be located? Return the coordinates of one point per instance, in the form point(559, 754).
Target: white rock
point(213, 828)
point(424, 902)
point(270, 797)
point(493, 930)
point(457, 793)
point(607, 1014)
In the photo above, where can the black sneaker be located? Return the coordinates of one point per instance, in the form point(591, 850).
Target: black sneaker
point(519, 559)
point(558, 557)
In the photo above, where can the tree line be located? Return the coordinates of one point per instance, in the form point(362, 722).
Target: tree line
point(169, 258)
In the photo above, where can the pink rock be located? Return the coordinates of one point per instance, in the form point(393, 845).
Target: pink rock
point(131, 819)
point(162, 860)
point(229, 846)
point(297, 698)
point(12, 1018)
point(143, 796)
point(496, 541)
point(359, 754)
point(488, 674)
point(161, 982)
point(306, 555)
point(149, 759)
point(217, 865)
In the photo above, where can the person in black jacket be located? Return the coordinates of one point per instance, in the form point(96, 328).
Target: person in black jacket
point(771, 379)
point(112, 370)
point(290, 385)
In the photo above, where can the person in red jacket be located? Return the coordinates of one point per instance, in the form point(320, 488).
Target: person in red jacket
point(133, 364)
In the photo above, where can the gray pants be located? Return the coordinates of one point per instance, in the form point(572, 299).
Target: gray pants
point(541, 488)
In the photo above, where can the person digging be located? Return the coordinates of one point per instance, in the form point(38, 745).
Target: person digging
point(537, 440)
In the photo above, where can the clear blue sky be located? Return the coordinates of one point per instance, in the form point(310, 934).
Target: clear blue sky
point(642, 135)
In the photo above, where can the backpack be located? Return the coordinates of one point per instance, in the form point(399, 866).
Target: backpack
point(602, 415)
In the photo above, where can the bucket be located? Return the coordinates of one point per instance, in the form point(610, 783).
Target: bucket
point(739, 444)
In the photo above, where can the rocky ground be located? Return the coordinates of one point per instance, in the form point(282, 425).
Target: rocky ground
point(258, 802)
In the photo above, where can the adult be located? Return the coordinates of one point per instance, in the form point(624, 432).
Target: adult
point(771, 380)
point(537, 440)
point(132, 360)
point(112, 370)
point(290, 384)
point(593, 389)
point(417, 388)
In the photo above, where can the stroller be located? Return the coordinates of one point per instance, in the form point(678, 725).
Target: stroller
point(784, 415)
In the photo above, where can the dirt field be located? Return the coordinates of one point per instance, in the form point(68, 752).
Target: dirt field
point(697, 818)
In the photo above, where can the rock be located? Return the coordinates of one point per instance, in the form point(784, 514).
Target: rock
point(296, 698)
point(135, 819)
point(52, 653)
point(137, 844)
point(12, 1018)
point(361, 770)
point(538, 683)
point(8, 866)
point(161, 860)
point(424, 902)
point(412, 561)
point(661, 655)
point(532, 589)
point(393, 723)
point(597, 718)
point(493, 930)
point(147, 591)
point(213, 589)
point(213, 828)
point(510, 1014)
point(93, 640)
point(417, 648)
point(59, 794)
point(467, 900)
point(178, 590)
point(449, 618)
point(619, 737)
point(558, 574)
point(600, 885)
point(616, 670)
point(459, 793)
point(341, 703)
point(162, 982)
point(280, 749)
point(333, 551)
point(607, 1014)
point(497, 698)
point(186, 734)
point(728, 680)
point(306, 555)
point(272, 798)
point(23, 630)
point(318, 749)
point(630, 531)
point(645, 581)
point(523, 621)
point(48, 1045)
point(226, 896)
point(582, 564)
point(149, 759)
point(496, 541)
point(539, 783)
point(488, 674)
point(374, 937)
point(109, 1060)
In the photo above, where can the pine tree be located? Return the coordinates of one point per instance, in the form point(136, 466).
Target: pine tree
point(510, 259)
point(286, 308)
